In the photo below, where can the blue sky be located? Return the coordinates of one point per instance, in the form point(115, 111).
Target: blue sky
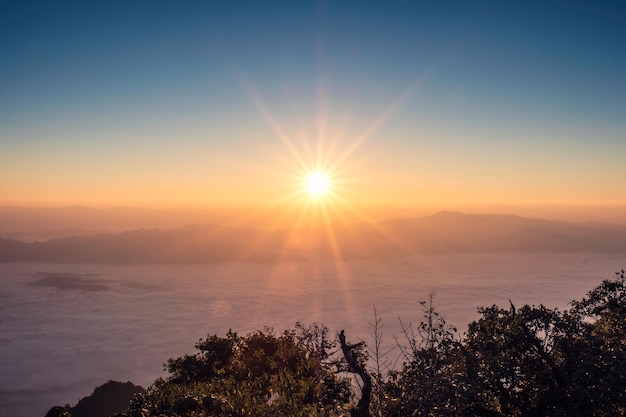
point(518, 82)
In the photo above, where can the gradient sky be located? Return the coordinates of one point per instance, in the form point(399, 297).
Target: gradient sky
point(198, 103)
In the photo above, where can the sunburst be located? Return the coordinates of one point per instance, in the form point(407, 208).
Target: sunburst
point(317, 183)
point(319, 199)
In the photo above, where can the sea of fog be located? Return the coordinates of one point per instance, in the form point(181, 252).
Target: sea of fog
point(64, 329)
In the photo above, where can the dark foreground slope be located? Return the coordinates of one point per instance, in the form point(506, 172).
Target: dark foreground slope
point(109, 398)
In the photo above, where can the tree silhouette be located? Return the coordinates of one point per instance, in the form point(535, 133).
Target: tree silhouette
point(526, 361)
point(260, 374)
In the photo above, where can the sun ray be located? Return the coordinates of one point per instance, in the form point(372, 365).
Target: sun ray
point(264, 110)
point(381, 119)
point(315, 218)
point(398, 243)
point(342, 273)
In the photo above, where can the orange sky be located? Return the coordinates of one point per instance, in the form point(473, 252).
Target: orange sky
point(500, 109)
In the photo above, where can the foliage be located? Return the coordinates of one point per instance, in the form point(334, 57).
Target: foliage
point(58, 411)
point(516, 361)
point(380, 366)
point(599, 348)
point(260, 374)
point(529, 361)
point(428, 382)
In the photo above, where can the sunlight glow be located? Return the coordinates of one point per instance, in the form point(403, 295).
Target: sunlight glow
point(321, 179)
point(317, 183)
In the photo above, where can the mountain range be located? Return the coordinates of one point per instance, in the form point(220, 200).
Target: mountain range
point(444, 232)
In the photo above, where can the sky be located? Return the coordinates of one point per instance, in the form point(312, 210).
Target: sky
point(401, 103)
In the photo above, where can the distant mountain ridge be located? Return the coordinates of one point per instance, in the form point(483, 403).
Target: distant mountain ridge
point(458, 232)
point(182, 245)
point(444, 232)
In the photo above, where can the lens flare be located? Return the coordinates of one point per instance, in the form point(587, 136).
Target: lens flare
point(317, 183)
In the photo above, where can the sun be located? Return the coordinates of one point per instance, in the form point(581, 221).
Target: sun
point(317, 183)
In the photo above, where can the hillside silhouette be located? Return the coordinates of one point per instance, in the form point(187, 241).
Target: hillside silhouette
point(106, 399)
point(444, 232)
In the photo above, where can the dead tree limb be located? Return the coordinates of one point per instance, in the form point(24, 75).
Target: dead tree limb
point(363, 406)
